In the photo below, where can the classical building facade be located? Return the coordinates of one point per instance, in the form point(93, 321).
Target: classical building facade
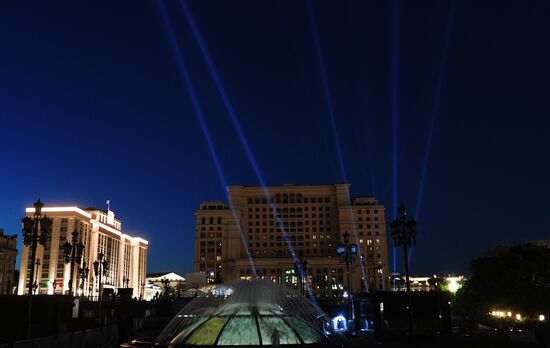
point(101, 233)
point(8, 254)
point(263, 230)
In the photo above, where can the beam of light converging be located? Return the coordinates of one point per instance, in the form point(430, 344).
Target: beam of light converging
point(200, 116)
point(236, 124)
point(330, 108)
point(326, 89)
point(395, 101)
point(394, 263)
point(435, 108)
point(395, 114)
point(435, 105)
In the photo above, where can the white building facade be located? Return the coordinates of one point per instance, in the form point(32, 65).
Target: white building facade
point(101, 233)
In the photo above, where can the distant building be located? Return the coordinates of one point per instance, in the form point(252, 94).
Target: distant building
point(542, 243)
point(8, 254)
point(259, 222)
point(157, 282)
point(427, 283)
point(100, 232)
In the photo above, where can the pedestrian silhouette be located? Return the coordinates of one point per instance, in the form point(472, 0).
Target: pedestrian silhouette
point(275, 338)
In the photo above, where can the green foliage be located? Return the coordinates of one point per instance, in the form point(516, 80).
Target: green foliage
point(517, 279)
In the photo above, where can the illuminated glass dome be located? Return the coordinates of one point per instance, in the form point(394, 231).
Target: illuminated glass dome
point(253, 313)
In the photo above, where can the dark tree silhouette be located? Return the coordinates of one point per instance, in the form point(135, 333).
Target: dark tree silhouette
point(516, 278)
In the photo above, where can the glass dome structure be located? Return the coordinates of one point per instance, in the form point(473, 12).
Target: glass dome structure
point(253, 313)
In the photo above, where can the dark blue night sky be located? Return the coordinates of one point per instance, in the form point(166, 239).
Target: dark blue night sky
point(93, 107)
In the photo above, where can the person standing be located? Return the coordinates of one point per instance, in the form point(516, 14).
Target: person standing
point(275, 341)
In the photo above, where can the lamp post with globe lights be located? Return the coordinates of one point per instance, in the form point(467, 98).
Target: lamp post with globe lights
point(73, 255)
point(100, 269)
point(126, 282)
point(303, 275)
point(36, 230)
point(403, 232)
point(36, 284)
point(347, 252)
point(83, 275)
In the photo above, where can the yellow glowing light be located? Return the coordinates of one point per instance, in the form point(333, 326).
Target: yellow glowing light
point(60, 210)
point(88, 215)
point(542, 317)
point(115, 231)
point(509, 314)
point(518, 316)
point(453, 285)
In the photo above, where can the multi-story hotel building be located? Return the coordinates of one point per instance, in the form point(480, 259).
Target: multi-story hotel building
point(261, 227)
point(8, 253)
point(101, 233)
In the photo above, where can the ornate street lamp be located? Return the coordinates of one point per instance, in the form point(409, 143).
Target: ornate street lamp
point(36, 230)
point(302, 276)
point(347, 253)
point(142, 291)
point(101, 267)
point(36, 285)
point(166, 283)
point(73, 255)
point(83, 275)
point(403, 231)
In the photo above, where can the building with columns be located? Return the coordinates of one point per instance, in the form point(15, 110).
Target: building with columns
point(261, 228)
point(101, 233)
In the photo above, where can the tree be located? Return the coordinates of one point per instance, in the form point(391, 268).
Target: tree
point(515, 279)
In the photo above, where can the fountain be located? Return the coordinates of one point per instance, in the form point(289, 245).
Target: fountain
point(246, 313)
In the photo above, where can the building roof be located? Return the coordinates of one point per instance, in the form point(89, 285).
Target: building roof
point(164, 275)
point(87, 212)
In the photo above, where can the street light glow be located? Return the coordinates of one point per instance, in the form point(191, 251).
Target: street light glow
point(453, 285)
